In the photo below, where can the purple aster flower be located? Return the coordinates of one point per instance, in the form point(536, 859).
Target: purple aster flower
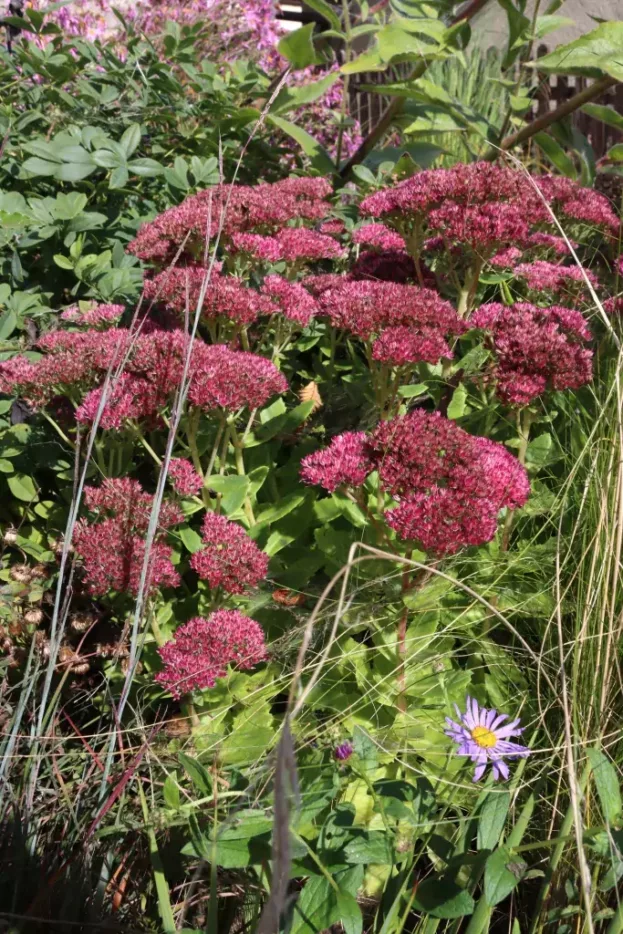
point(481, 736)
point(343, 751)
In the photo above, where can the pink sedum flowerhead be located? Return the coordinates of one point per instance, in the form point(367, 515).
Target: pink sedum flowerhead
point(536, 349)
point(450, 485)
point(232, 380)
point(291, 298)
point(484, 737)
point(289, 244)
point(230, 559)
point(402, 345)
point(112, 560)
point(185, 479)
point(203, 648)
point(551, 277)
point(367, 308)
point(99, 316)
point(344, 463)
point(379, 237)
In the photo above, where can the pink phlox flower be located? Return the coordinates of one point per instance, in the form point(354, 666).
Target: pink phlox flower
point(202, 649)
point(230, 559)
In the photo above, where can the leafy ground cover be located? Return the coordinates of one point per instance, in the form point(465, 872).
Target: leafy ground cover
point(310, 602)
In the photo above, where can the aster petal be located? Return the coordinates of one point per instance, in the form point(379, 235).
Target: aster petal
point(489, 718)
point(498, 720)
point(479, 771)
point(511, 729)
point(505, 748)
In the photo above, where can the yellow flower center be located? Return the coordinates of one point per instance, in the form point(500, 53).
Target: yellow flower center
point(484, 737)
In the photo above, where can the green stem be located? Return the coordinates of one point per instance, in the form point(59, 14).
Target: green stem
point(57, 428)
point(143, 440)
point(525, 418)
point(239, 459)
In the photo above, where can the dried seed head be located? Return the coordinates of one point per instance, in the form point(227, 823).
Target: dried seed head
point(16, 627)
point(42, 644)
point(10, 536)
point(178, 726)
point(33, 617)
point(58, 545)
point(81, 667)
point(80, 622)
point(125, 666)
point(21, 573)
point(40, 571)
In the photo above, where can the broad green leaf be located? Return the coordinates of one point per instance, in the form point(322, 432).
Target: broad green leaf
point(458, 403)
point(107, 159)
point(503, 872)
point(74, 171)
point(607, 115)
point(373, 847)
point(410, 392)
point(69, 206)
point(171, 792)
point(279, 510)
point(395, 42)
point(556, 154)
point(247, 841)
point(8, 323)
point(317, 908)
point(22, 487)
point(292, 98)
point(118, 177)
point(365, 749)
point(367, 61)
point(539, 450)
point(518, 26)
point(197, 773)
point(191, 539)
point(318, 156)
point(443, 898)
point(593, 54)
point(146, 168)
point(349, 913)
point(607, 782)
point(493, 819)
point(325, 9)
point(38, 166)
point(130, 139)
point(233, 489)
point(298, 47)
point(549, 23)
point(615, 153)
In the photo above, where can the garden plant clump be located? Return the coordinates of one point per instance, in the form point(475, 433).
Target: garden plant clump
point(310, 613)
